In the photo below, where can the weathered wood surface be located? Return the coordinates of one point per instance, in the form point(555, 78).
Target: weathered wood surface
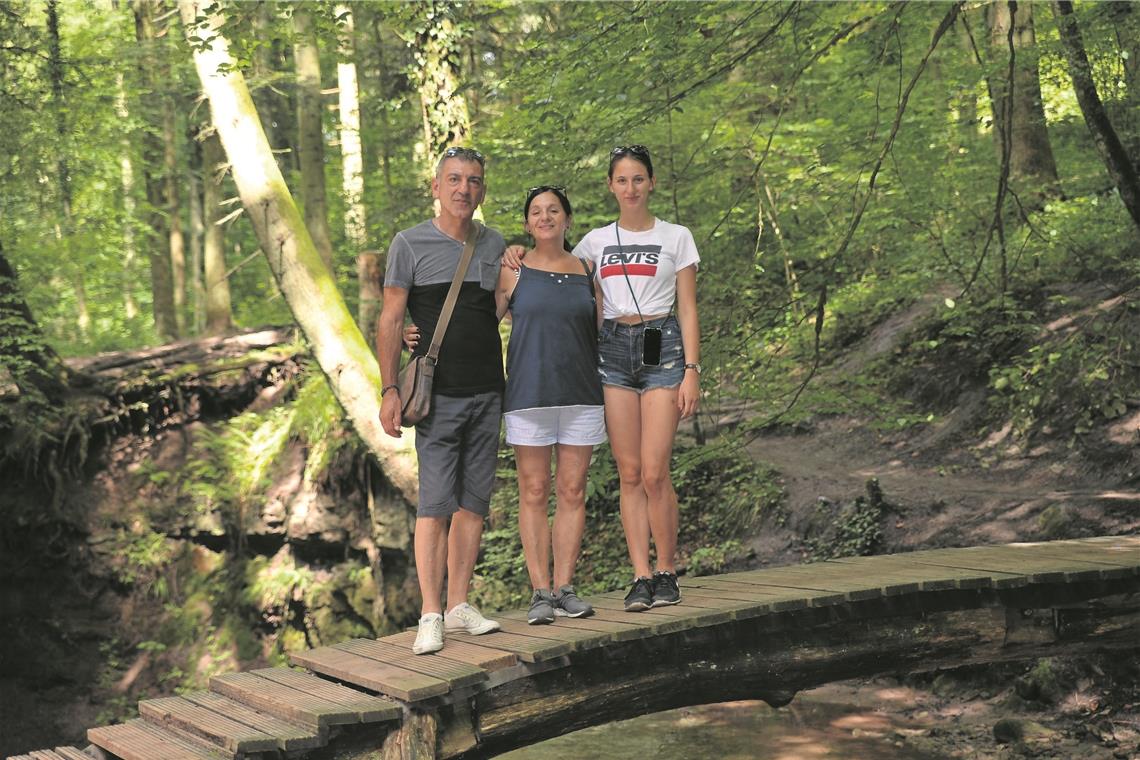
point(759, 634)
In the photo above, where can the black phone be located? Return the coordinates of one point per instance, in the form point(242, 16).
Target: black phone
point(651, 347)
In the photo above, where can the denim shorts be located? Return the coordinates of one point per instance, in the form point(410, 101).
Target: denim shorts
point(456, 445)
point(619, 355)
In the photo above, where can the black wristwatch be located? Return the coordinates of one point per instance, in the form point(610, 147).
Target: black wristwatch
point(697, 367)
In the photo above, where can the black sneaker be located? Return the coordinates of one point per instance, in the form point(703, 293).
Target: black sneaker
point(640, 596)
point(665, 589)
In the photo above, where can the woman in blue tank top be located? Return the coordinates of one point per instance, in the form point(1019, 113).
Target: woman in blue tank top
point(553, 405)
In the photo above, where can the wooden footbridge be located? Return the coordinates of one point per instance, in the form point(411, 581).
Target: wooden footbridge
point(761, 634)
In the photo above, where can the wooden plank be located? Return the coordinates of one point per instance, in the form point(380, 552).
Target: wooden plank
point(229, 735)
point(71, 753)
point(483, 656)
point(621, 630)
point(581, 639)
point(289, 736)
point(526, 648)
point(739, 609)
point(365, 707)
point(697, 617)
point(1026, 569)
point(457, 674)
point(282, 700)
point(139, 740)
point(646, 625)
point(44, 754)
point(388, 679)
point(929, 577)
point(784, 598)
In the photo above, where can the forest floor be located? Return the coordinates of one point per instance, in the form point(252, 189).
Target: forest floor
point(957, 482)
point(1062, 709)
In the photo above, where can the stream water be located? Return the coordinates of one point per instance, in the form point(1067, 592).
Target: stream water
point(807, 729)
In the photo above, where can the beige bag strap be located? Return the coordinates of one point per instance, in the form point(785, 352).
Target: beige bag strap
point(474, 230)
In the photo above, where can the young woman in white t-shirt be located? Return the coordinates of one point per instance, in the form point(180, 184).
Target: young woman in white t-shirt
point(648, 273)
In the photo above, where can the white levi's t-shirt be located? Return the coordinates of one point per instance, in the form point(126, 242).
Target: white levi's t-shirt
point(652, 259)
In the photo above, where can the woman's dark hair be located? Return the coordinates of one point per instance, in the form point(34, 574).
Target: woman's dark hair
point(559, 193)
point(636, 152)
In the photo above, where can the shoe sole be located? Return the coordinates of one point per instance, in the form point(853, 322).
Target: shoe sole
point(664, 603)
point(637, 607)
point(563, 613)
point(488, 628)
point(540, 621)
point(429, 650)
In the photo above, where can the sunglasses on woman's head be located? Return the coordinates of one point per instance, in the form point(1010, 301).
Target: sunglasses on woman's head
point(540, 189)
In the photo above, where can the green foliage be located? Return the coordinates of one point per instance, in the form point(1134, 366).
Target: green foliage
point(850, 530)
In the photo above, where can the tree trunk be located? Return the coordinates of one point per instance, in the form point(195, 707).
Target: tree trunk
point(28, 365)
point(307, 284)
point(1012, 40)
point(65, 232)
point(352, 175)
point(172, 204)
point(219, 316)
point(194, 179)
point(158, 252)
point(1112, 151)
point(127, 172)
point(439, 55)
point(310, 136)
point(264, 73)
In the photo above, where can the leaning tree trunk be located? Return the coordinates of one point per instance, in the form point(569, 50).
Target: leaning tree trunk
point(307, 284)
point(1112, 151)
point(310, 133)
point(1019, 115)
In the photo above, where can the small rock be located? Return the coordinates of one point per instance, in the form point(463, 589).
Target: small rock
point(1009, 730)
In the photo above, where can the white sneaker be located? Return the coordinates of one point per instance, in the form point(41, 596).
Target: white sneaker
point(429, 637)
point(464, 617)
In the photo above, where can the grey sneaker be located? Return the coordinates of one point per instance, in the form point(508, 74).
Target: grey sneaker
point(541, 608)
point(464, 617)
point(567, 604)
point(429, 637)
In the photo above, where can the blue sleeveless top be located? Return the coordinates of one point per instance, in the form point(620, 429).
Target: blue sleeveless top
point(552, 357)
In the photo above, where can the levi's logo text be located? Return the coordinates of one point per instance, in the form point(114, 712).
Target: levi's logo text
point(639, 260)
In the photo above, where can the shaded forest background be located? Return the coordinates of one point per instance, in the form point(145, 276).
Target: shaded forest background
point(971, 165)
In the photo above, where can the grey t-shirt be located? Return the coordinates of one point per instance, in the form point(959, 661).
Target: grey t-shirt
point(422, 259)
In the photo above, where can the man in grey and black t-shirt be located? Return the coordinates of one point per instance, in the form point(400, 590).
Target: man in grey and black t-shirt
point(456, 443)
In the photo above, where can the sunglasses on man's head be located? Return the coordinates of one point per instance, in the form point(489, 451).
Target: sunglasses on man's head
point(468, 153)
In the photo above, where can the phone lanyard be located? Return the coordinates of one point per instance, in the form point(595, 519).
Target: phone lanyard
point(621, 253)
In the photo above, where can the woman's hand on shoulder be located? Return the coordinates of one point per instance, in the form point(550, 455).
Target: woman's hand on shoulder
point(513, 256)
point(411, 336)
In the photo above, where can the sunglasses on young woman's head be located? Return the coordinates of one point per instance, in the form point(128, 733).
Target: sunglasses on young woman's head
point(468, 153)
point(630, 150)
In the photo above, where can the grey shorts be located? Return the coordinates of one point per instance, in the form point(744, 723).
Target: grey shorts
point(619, 355)
point(457, 445)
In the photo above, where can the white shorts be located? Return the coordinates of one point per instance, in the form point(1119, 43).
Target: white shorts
point(546, 426)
